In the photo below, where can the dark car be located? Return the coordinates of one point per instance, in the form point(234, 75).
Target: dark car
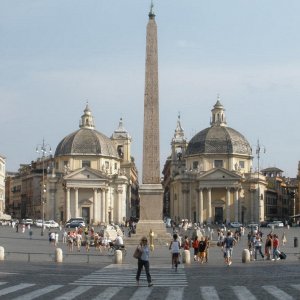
point(75, 223)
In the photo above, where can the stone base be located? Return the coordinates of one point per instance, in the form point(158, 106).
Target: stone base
point(151, 207)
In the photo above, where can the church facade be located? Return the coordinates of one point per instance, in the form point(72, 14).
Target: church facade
point(210, 178)
point(91, 176)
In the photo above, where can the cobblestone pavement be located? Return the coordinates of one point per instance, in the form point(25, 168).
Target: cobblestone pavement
point(100, 278)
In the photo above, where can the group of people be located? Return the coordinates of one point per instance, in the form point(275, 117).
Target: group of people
point(271, 249)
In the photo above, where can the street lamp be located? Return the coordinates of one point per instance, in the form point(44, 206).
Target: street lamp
point(258, 150)
point(44, 149)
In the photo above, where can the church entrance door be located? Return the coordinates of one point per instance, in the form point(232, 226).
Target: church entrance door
point(219, 215)
point(86, 214)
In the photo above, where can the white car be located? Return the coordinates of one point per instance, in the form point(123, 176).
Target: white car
point(38, 223)
point(51, 224)
point(275, 224)
point(236, 224)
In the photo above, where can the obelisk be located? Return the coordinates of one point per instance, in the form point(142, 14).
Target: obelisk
point(151, 191)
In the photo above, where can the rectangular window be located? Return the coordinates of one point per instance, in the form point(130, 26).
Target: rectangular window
point(195, 165)
point(242, 164)
point(116, 166)
point(218, 163)
point(86, 163)
point(107, 165)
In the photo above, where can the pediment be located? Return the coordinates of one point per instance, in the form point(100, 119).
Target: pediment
point(219, 174)
point(85, 174)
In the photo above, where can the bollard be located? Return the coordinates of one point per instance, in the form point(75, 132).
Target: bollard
point(186, 257)
point(2, 253)
point(245, 256)
point(295, 242)
point(118, 257)
point(58, 255)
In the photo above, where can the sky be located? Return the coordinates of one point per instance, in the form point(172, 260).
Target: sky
point(55, 55)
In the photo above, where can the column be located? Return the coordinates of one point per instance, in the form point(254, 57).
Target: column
point(201, 206)
point(76, 203)
point(106, 206)
point(68, 214)
point(236, 205)
point(100, 206)
point(119, 208)
point(102, 200)
point(209, 207)
point(227, 205)
point(252, 206)
point(95, 219)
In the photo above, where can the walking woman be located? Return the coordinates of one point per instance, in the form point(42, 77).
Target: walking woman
point(175, 250)
point(144, 261)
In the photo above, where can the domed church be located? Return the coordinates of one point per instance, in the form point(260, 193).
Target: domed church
point(210, 179)
point(93, 175)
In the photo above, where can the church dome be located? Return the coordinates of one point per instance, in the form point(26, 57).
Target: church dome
point(86, 140)
point(218, 139)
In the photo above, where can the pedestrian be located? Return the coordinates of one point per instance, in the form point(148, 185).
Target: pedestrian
point(275, 248)
point(228, 244)
point(207, 248)
point(257, 246)
point(195, 246)
point(143, 261)
point(268, 247)
point(175, 250)
point(186, 245)
point(64, 236)
point(202, 249)
point(30, 234)
point(283, 239)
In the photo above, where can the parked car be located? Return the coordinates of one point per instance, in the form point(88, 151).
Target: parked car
point(38, 223)
point(236, 224)
point(75, 224)
point(275, 224)
point(26, 221)
point(79, 219)
point(51, 224)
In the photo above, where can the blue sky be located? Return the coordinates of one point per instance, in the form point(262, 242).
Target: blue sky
point(57, 54)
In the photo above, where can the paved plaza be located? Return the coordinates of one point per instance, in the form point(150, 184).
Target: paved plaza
point(97, 277)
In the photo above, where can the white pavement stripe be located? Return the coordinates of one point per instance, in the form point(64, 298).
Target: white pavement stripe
point(175, 294)
point(209, 293)
point(74, 293)
point(15, 288)
point(277, 293)
point(108, 293)
point(243, 293)
point(296, 286)
point(141, 293)
point(39, 292)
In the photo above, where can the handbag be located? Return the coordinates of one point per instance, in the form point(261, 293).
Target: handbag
point(137, 253)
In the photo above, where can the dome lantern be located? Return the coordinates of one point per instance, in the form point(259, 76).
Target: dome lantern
point(218, 114)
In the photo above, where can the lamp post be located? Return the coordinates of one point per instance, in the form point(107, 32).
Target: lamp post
point(258, 150)
point(44, 149)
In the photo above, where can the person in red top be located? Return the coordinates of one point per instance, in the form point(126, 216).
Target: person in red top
point(195, 245)
point(275, 247)
point(186, 245)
